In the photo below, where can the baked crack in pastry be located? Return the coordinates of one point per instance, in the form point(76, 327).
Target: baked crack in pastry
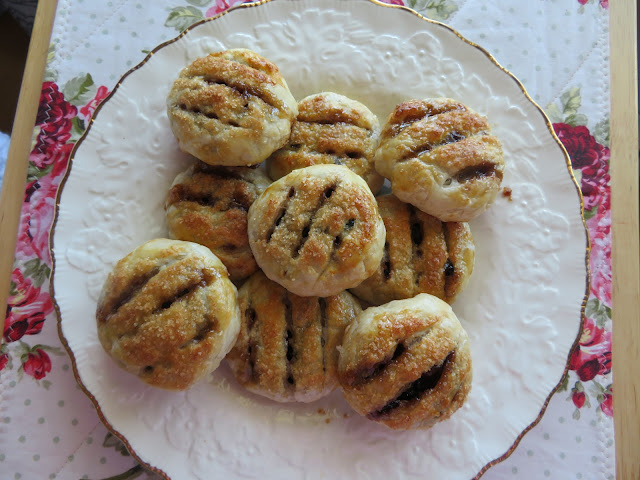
point(208, 205)
point(287, 346)
point(231, 108)
point(317, 231)
point(168, 313)
point(440, 156)
point(330, 129)
point(421, 255)
point(406, 364)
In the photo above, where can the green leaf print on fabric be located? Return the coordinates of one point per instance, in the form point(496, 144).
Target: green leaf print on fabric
point(37, 271)
point(554, 114)
point(78, 90)
point(50, 75)
point(598, 311)
point(575, 120)
point(34, 173)
point(570, 103)
point(77, 129)
point(589, 214)
point(182, 17)
point(198, 3)
point(565, 383)
point(435, 9)
point(601, 132)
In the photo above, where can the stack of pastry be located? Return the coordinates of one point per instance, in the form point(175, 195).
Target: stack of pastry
point(306, 241)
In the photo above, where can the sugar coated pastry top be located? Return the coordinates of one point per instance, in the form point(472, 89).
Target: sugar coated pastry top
point(317, 231)
point(168, 313)
point(330, 129)
point(287, 346)
point(406, 364)
point(231, 108)
point(208, 205)
point(441, 157)
point(421, 255)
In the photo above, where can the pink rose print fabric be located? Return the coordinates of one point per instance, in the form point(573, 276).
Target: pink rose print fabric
point(27, 308)
point(603, 3)
point(59, 123)
point(591, 158)
point(38, 364)
point(588, 150)
point(86, 112)
point(220, 6)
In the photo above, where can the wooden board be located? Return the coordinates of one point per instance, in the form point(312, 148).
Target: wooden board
point(625, 250)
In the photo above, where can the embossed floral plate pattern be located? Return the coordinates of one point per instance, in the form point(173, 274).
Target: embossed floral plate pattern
point(522, 307)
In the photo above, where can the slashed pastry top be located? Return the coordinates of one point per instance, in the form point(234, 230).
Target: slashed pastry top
point(208, 205)
point(317, 231)
point(168, 313)
point(441, 157)
point(231, 108)
point(287, 345)
point(421, 255)
point(406, 364)
point(330, 129)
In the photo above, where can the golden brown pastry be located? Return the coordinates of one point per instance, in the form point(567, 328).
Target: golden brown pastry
point(330, 129)
point(208, 205)
point(317, 231)
point(440, 156)
point(231, 108)
point(421, 255)
point(406, 364)
point(168, 313)
point(287, 346)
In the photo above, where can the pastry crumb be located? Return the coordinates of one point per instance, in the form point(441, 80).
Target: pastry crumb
point(506, 192)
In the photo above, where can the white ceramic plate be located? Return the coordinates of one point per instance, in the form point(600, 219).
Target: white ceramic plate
point(522, 307)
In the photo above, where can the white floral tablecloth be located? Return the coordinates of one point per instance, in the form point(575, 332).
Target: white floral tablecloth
point(559, 49)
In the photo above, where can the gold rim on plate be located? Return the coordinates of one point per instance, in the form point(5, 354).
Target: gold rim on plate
point(94, 401)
